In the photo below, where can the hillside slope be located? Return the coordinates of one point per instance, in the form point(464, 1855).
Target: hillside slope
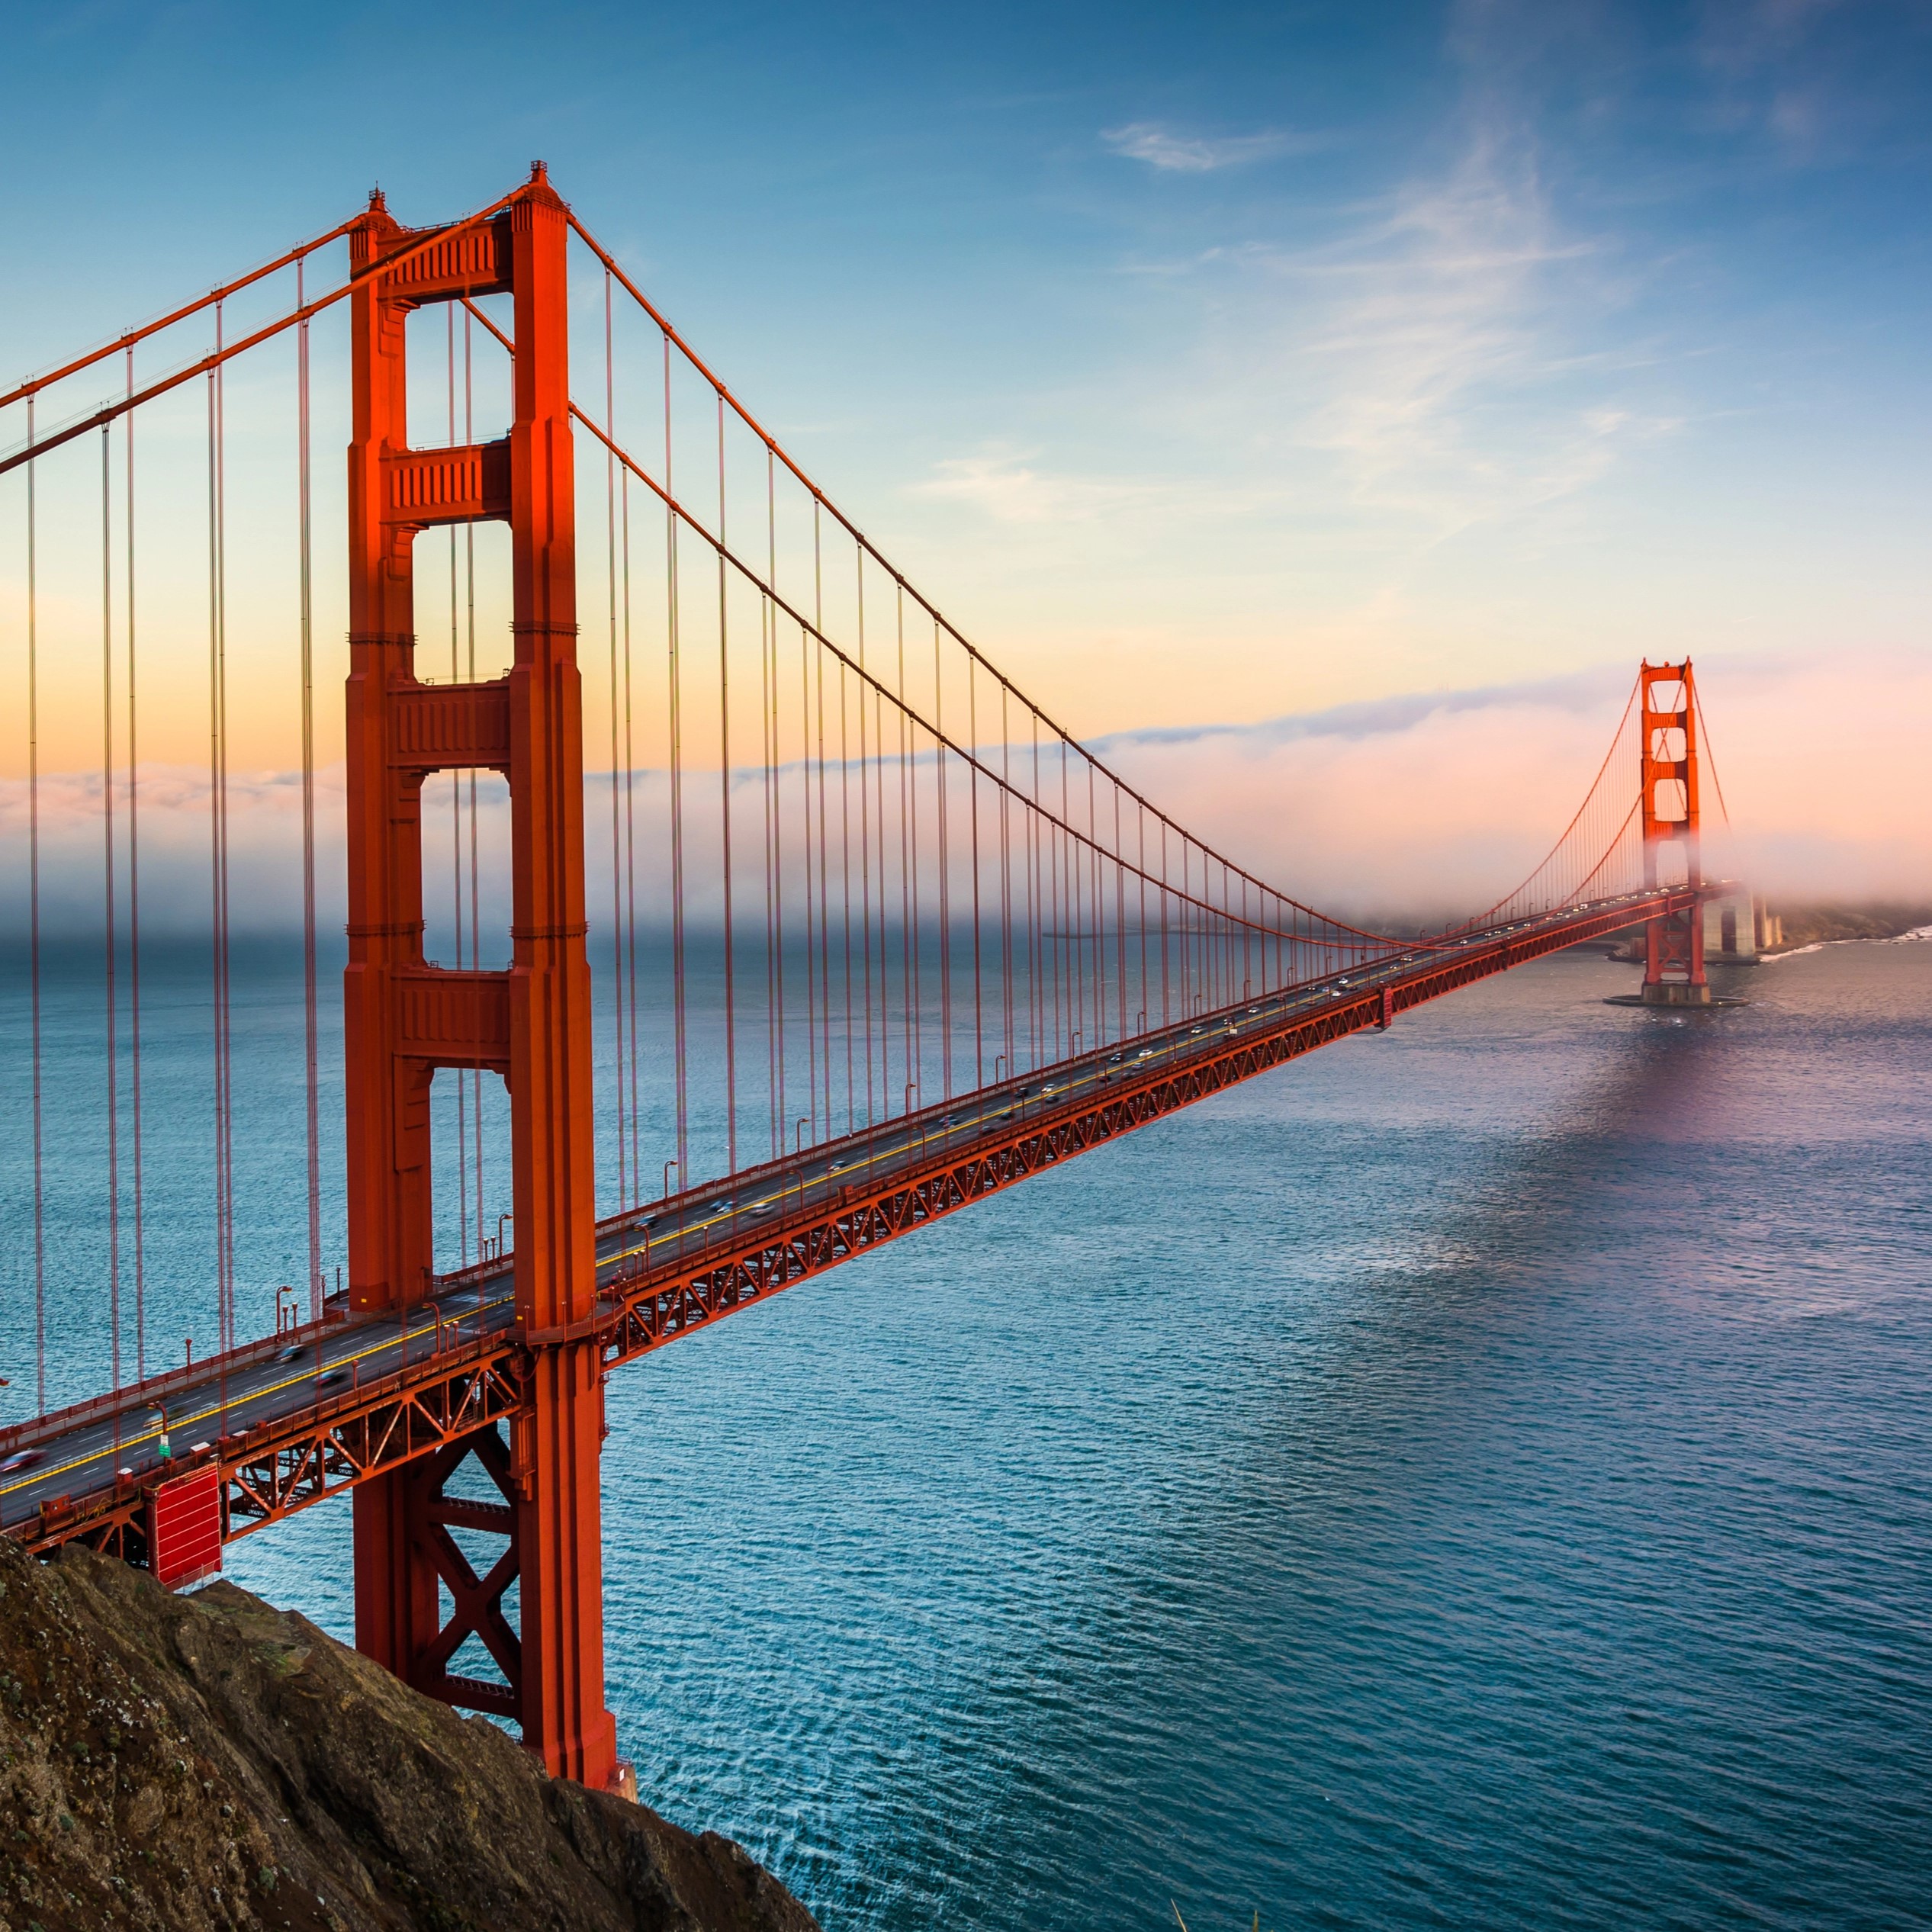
point(201, 1762)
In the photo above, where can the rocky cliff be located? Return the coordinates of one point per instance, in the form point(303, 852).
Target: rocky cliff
point(208, 1761)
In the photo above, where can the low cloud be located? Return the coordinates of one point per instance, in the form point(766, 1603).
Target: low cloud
point(1432, 805)
point(1438, 804)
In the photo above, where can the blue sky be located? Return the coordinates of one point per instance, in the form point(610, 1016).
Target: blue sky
point(1209, 364)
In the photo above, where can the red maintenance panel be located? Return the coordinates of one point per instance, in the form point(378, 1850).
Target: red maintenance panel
point(185, 1529)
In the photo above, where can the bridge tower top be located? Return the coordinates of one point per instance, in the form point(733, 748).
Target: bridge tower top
point(1667, 694)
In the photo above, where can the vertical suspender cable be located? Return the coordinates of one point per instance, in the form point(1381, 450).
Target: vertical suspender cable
point(1167, 1013)
point(218, 785)
point(684, 1177)
point(227, 956)
point(766, 760)
point(616, 841)
point(456, 822)
point(845, 886)
point(945, 880)
point(945, 875)
point(1070, 911)
point(908, 885)
point(777, 821)
point(630, 848)
point(214, 852)
point(885, 1088)
point(1006, 875)
point(134, 916)
point(1066, 909)
point(811, 934)
point(108, 895)
point(1097, 908)
point(825, 883)
point(469, 671)
point(724, 818)
point(1120, 919)
point(1037, 914)
point(865, 835)
point(1134, 1005)
point(33, 926)
point(312, 1088)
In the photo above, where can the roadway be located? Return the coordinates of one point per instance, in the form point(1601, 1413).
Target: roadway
point(64, 1454)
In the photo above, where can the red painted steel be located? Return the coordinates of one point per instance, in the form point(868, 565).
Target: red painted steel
point(1673, 944)
point(405, 1017)
point(185, 1529)
point(340, 1442)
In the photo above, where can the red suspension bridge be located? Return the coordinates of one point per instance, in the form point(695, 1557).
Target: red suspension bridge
point(875, 936)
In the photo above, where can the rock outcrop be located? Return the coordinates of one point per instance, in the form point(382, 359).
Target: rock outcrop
point(204, 1762)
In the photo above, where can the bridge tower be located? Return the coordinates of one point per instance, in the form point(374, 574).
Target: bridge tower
point(1673, 946)
point(405, 1018)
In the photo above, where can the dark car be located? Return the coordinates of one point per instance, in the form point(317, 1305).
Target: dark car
point(20, 1459)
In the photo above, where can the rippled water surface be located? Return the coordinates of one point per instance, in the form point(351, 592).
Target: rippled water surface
point(1476, 1477)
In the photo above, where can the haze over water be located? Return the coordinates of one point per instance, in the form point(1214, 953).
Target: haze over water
point(1475, 1477)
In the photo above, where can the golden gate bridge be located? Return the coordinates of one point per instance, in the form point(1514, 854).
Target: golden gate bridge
point(942, 946)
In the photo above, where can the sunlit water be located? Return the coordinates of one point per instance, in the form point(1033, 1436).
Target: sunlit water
point(1479, 1475)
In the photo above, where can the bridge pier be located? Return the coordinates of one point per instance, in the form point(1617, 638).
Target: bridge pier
point(405, 1018)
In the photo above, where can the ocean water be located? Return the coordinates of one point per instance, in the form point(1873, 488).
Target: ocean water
point(1479, 1475)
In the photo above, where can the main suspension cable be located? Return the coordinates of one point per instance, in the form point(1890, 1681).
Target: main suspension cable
point(208, 364)
point(128, 338)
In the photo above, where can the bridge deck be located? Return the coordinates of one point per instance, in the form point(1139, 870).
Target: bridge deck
point(293, 1418)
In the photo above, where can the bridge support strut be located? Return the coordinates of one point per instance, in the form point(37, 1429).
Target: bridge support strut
point(1673, 945)
point(405, 1018)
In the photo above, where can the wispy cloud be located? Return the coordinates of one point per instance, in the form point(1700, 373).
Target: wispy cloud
point(1009, 486)
point(1454, 351)
point(1015, 486)
point(1172, 152)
